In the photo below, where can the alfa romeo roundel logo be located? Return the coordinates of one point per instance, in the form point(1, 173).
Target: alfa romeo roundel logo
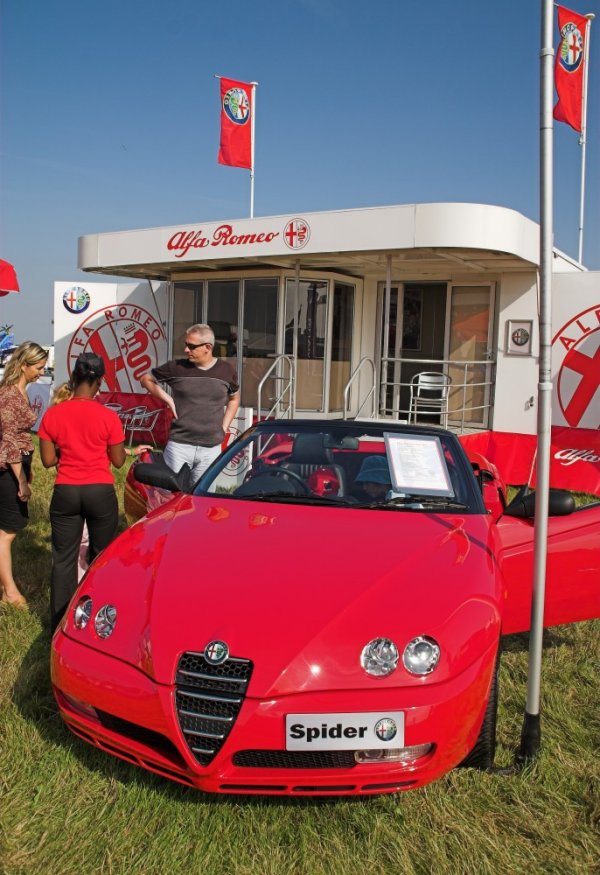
point(386, 729)
point(216, 652)
point(571, 48)
point(236, 106)
point(296, 234)
point(76, 299)
point(128, 338)
point(520, 337)
point(577, 385)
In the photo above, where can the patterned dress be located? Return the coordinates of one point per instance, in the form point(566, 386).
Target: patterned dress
point(16, 420)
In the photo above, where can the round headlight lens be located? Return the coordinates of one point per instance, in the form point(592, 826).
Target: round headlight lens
point(105, 621)
point(421, 655)
point(82, 612)
point(379, 657)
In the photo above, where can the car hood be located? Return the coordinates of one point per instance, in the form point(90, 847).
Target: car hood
point(298, 590)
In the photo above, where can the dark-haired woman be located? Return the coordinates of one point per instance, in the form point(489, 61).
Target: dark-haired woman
point(82, 438)
point(26, 365)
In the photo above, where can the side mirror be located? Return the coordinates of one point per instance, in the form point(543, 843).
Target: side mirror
point(560, 503)
point(159, 474)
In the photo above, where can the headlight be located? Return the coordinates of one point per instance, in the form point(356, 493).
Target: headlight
point(105, 621)
point(379, 657)
point(82, 612)
point(421, 655)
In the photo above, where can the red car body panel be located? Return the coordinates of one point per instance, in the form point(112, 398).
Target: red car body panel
point(363, 595)
point(572, 569)
point(297, 590)
point(451, 724)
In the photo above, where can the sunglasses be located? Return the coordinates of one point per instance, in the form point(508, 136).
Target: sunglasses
point(192, 346)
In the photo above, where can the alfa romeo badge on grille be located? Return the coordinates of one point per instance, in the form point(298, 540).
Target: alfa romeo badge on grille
point(216, 652)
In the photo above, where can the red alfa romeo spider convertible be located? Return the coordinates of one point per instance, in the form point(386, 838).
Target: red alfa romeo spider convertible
point(320, 614)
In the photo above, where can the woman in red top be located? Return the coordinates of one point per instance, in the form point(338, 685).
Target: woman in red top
point(82, 438)
point(16, 447)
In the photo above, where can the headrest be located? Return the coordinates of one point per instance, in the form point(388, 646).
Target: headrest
point(308, 449)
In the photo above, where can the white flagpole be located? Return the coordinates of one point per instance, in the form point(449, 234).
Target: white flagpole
point(582, 137)
point(531, 729)
point(254, 84)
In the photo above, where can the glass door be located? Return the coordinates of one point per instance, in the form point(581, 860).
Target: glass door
point(413, 319)
point(323, 311)
point(470, 326)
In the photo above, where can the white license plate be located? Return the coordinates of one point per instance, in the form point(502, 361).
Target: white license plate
point(371, 730)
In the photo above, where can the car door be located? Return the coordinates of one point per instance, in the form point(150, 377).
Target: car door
point(572, 568)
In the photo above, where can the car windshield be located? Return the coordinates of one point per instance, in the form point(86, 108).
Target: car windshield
point(376, 466)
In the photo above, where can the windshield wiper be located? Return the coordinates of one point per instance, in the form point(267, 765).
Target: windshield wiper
point(263, 496)
point(425, 501)
point(334, 501)
point(413, 502)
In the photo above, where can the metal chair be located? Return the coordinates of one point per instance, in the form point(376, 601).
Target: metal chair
point(429, 395)
point(142, 421)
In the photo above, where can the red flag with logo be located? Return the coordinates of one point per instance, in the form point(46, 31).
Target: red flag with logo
point(235, 148)
point(569, 67)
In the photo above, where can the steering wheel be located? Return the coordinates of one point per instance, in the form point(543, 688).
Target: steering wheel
point(277, 470)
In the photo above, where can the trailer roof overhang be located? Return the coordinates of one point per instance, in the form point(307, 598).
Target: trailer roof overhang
point(425, 240)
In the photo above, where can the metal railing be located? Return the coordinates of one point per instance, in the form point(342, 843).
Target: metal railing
point(283, 401)
point(468, 393)
point(371, 394)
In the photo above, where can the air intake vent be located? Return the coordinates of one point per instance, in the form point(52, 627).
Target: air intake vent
point(295, 759)
point(208, 700)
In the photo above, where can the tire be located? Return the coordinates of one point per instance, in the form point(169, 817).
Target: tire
point(482, 755)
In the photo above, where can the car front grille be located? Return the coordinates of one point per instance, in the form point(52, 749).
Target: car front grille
point(208, 699)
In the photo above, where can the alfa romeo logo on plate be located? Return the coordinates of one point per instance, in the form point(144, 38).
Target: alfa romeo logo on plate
point(386, 729)
point(76, 299)
point(216, 652)
point(236, 106)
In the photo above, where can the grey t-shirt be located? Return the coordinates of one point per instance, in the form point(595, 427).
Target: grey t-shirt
point(200, 397)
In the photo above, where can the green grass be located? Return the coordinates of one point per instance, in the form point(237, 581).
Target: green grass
point(67, 808)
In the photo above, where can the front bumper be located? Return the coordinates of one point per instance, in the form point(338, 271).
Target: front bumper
point(117, 708)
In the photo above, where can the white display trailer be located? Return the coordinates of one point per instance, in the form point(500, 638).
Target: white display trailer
point(336, 313)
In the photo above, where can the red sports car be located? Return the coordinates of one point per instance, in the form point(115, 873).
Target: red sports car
point(320, 614)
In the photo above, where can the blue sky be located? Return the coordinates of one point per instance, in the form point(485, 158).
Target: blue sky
point(109, 115)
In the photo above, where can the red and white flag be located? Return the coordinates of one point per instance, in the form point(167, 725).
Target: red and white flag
point(235, 148)
point(569, 67)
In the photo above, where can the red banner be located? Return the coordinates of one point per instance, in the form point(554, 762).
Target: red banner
point(235, 148)
point(145, 419)
point(569, 67)
point(574, 456)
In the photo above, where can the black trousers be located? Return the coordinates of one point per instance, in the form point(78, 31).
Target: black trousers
point(70, 508)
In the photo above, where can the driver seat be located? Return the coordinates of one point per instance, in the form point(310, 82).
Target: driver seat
point(309, 455)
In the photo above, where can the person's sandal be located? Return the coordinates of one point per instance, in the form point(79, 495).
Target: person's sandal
point(20, 602)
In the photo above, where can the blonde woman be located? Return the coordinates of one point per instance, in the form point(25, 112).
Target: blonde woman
point(16, 447)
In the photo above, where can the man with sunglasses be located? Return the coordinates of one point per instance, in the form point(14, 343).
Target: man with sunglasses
point(205, 398)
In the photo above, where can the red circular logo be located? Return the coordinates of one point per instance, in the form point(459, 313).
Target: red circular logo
point(127, 337)
point(578, 379)
point(296, 234)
